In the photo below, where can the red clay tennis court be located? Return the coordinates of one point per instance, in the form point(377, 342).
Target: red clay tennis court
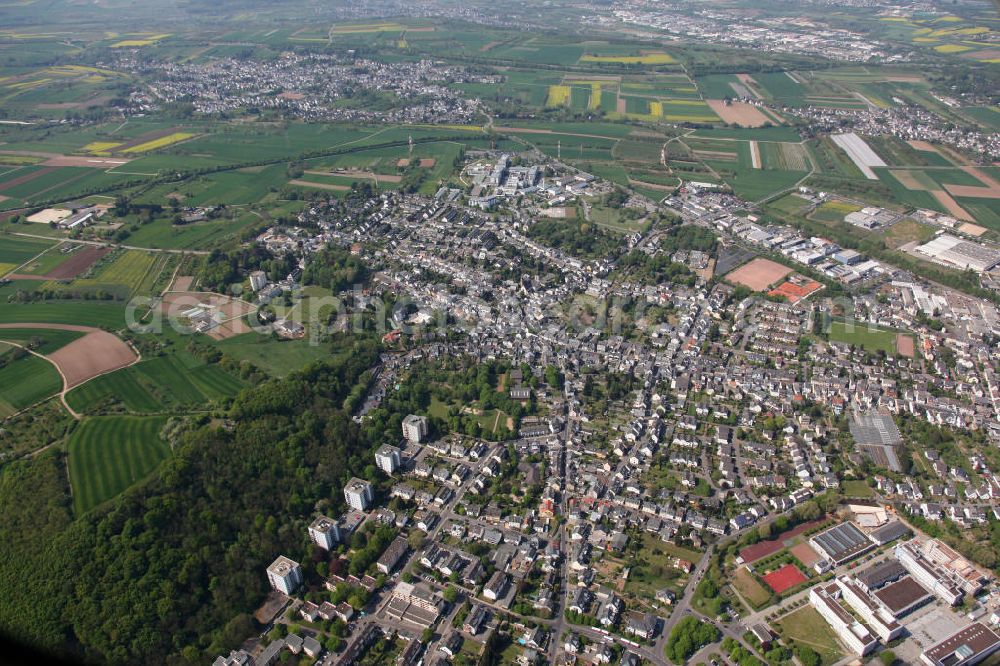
point(795, 292)
point(784, 578)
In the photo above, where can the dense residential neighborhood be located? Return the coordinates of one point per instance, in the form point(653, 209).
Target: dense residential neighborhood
point(627, 333)
point(737, 412)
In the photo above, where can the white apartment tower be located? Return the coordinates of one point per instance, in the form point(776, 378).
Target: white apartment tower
point(415, 428)
point(388, 459)
point(285, 575)
point(324, 532)
point(358, 494)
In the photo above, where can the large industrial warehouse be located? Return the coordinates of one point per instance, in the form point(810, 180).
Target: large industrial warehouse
point(959, 253)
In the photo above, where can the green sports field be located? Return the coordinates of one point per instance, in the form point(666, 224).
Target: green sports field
point(108, 454)
point(860, 334)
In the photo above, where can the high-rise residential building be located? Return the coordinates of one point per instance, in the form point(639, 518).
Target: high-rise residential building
point(324, 532)
point(388, 459)
point(358, 494)
point(285, 575)
point(415, 428)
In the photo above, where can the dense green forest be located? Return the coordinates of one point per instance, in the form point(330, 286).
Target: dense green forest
point(169, 571)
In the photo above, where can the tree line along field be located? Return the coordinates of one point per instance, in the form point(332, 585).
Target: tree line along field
point(164, 383)
point(108, 454)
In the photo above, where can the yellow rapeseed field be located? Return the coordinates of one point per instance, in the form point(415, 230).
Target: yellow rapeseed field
point(162, 142)
point(558, 95)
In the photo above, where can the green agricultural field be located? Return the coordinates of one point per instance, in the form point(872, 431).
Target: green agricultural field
point(790, 204)
point(781, 87)
point(233, 187)
point(987, 116)
point(647, 152)
point(84, 313)
point(833, 211)
point(276, 357)
point(751, 134)
point(830, 159)
point(717, 86)
point(175, 382)
point(52, 258)
point(48, 185)
point(862, 335)
point(108, 454)
point(119, 274)
point(756, 184)
point(917, 198)
point(52, 339)
point(16, 250)
point(162, 233)
point(25, 381)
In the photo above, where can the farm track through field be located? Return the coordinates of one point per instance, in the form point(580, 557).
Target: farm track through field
point(81, 360)
point(115, 245)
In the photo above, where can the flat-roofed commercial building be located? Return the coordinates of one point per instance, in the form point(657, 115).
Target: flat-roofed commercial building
point(413, 604)
point(889, 532)
point(881, 575)
point(965, 647)
point(875, 616)
point(903, 597)
point(940, 569)
point(852, 633)
point(841, 543)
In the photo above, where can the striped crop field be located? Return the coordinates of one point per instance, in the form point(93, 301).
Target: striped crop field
point(121, 274)
point(107, 454)
point(158, 384)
